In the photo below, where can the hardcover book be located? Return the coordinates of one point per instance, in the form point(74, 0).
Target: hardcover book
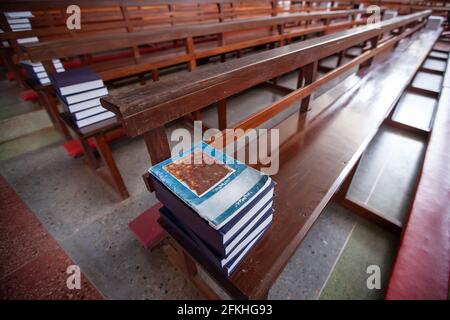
point(201, 252)
point(84, 96)
point(88, 112)
point(221, 241)
point(216, 186)
point(76, 80)
point(94, 119)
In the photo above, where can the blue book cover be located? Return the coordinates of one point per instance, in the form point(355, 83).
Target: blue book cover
point(213, 184)
point(76, 80)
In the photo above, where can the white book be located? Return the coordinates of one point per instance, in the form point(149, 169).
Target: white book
point(41, 75)
point(86, 95)
point(245, 241)
point(20, 29)
point(89, 112)
point(44, 80)
point(231, 268)
point(56, 62)
point(18, 14)
point(81, 87)
point(235, 242)
point(19, 20)
point(28, 40)
point(94, 119)
point(84, 105)
point(20, 26)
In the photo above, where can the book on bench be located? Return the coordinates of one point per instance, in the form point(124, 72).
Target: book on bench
point(79, 91)
point(19, 21)
point(79, 80)
point(217, 197)
point(193, 244)
point(36, 72)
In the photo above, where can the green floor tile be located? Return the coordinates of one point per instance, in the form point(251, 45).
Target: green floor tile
point(367, 245)
point(39, 139)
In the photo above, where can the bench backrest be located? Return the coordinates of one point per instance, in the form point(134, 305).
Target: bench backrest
point(113, 41)
point(49, 21)
point(313, 161)
point(159, 103)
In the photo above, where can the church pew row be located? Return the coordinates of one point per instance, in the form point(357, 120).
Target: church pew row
point(232, 36)
point(320, 145)
point(422, 267)
point(406, 7)
point(99, 17)
point(136, 65)
point(49, 21)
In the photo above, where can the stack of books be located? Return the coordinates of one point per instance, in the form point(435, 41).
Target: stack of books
point(79, 91)
point(216, 207)
point(36, 72)
point(20, 21)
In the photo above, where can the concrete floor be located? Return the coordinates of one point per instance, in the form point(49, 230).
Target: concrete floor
point(90, 223)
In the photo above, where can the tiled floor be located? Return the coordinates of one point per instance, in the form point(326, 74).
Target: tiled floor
point(33, 264)
point(90, 223)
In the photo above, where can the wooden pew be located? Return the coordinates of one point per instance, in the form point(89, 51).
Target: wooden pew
point(190, 52)
point(422, 267)
point(117, 69)
point(411, 6)
point(320, 147)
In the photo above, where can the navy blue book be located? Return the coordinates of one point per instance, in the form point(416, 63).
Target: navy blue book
point(224, 240)
point(200, 250)
point(215, 185)
point(75, 81)
point(212, 194)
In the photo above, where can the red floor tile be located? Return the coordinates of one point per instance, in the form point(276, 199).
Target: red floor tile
point(33, 265)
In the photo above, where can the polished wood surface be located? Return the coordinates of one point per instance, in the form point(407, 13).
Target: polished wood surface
point(422, 269)
point(111, 41)
point(318, 148)
point(158, 103)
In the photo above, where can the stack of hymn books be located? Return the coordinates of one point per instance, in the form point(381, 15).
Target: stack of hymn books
point(36, 72)
point(20, 21)
point(79, 91)
point(214, 206)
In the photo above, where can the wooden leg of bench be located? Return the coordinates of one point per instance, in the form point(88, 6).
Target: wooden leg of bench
point(89, 156)
point(141, 79)
point(222, 114)
point(155, 75)
point(309, 74)
point(340, 58)
point(197, 115)
point(184, 263)
point(157, 144)
point(106, 155)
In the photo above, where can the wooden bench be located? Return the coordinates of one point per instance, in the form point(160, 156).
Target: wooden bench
point(406, 7)
point(49, 21)
point(120, 68)
point(319, 147)
point(422, 268)
point(263, 31)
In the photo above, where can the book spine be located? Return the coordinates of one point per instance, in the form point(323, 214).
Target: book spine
point(190, 218)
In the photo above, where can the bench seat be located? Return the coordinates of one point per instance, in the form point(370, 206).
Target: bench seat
point(318, 148)
point(314, 161)
point(422, 267)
